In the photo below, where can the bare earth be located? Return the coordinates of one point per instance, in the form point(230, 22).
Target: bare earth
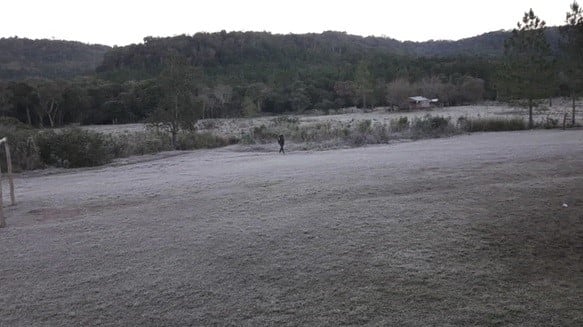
point(483, 229)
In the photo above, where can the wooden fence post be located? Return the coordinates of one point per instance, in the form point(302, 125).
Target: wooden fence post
point(2, 220)
point(10, 181)
point(9, 167)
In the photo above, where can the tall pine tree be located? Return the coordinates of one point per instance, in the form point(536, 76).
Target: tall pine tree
point(526, 72)
point(573, 52)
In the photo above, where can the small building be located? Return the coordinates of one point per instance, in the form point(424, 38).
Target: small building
point(419, 102)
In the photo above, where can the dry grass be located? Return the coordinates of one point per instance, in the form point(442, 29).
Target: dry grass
point(467, 230)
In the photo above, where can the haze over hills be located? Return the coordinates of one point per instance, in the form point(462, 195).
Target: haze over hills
point(22, 58)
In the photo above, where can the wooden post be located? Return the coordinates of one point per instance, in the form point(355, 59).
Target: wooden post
point(2, 220)
point(9, 166)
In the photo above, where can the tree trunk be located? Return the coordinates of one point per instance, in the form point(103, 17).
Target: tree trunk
point(28, 116)
point(2, 219)
point(174, 134)
point(364, 101)
point(175, 123)
point(573, 116)
point(40, 119)
point(530, 120)
point(50, 114)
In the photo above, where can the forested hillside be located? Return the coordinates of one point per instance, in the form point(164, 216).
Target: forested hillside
point(52, 83)
point(217, 51)
point(22, 58)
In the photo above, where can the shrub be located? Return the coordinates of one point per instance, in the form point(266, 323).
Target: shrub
point(263, 133)
point(23, 148)
point(549, 123)
point(318, 132)
point(491, 124)
point(401, 124)
point(73, 148)
point(193, 140)
point(207, 124)
point(286, 120)
point(364, 126)
point(431, 126)
point(138, 143)
point(247, 138)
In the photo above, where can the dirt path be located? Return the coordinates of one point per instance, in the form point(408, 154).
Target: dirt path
point(469, 230)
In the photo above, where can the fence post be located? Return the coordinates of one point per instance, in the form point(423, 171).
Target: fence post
point(9, 167)
point(2, 220)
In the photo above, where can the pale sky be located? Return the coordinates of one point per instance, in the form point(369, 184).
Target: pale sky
point(122, 22)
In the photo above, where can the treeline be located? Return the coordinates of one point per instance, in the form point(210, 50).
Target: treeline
point(22, 58)
point(249, 73)
point(244, 74)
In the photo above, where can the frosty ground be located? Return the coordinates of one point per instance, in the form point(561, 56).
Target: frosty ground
point(478, 229)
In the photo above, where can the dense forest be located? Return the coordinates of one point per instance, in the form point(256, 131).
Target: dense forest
point(22, 58)
point(53, 83)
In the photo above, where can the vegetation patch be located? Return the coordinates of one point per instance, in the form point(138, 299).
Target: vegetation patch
point(73, 148)
point(432, 126)
point(491, 124)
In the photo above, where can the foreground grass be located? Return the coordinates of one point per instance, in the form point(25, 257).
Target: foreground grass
point(430, 233)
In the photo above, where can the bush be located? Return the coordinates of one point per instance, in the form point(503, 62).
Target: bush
point(431, 126)
point(207, 124)
point(364, 126)
point(138, 143)
point(23, 148)
point(73, 148)
point(286, 120)
point(401, 124)
point(549, 123)
point(263, 133)
point(491, 124)
point(193, 140)
point(247, 138)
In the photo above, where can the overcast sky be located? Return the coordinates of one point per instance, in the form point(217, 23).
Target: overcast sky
point(122, 22)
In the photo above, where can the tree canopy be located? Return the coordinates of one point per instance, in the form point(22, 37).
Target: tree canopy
point(527, 70)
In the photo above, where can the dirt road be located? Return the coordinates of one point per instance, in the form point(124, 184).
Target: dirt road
point(480, 229)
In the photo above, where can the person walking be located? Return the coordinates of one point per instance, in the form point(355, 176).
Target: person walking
point(281, 142)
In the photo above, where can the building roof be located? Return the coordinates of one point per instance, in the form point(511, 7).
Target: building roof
point(418, 99)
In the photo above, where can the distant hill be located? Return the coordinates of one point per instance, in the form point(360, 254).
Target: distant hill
point(485, 45)
point(242, 51)
point(24, 58)
point(240, 48)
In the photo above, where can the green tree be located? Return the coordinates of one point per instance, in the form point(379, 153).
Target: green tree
point(398, 91)
point(25, 101)
point(178, 108)
point(257, 93)
point(249, 107)
point(363, 81)
point(76, 102)
point(6, 99)
point(50, 95)
point(527, 68)
point(573, 50)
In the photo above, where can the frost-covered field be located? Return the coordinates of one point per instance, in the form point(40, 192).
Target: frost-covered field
point(236, 127)
point(478, 229)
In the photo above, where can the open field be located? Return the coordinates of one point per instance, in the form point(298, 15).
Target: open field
point(481, 229)
point(236, 127)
